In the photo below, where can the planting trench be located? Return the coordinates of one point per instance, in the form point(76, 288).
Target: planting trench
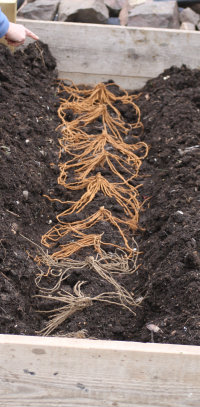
point(166, 285)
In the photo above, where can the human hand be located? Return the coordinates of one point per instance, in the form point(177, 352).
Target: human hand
point(17, 34)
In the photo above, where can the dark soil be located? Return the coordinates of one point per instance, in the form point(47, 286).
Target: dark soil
point(169, 275)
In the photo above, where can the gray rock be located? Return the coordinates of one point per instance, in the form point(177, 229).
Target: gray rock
point(128, 6)
point(154, 14)
point(186, 25)
point(188, 15)
point(39, 10)
point(87, 11)
point(123, 15)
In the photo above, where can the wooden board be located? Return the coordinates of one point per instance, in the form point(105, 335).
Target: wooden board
point(89, 53)
point(9, 8)
point(58, 372)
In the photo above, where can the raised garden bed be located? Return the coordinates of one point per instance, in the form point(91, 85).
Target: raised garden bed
point(168, 278)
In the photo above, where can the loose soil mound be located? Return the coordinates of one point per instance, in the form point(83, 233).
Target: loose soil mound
point(168, 278)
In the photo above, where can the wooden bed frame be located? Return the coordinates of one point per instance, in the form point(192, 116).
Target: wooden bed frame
point(9, 8)
point(90, 53)
point(59, 372)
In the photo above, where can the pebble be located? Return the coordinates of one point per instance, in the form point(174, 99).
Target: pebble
point(25, 194)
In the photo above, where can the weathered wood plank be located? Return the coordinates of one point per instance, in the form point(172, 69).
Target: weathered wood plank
point(124, 81)
point(52, 372)
point(91, 52)
point(9, 8)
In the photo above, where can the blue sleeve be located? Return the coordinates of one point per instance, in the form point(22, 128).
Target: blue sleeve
point(4, 24)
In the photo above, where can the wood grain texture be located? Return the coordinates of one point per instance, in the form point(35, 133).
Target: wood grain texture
point(58, 372)
point(89, 52)
point(9, 8)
